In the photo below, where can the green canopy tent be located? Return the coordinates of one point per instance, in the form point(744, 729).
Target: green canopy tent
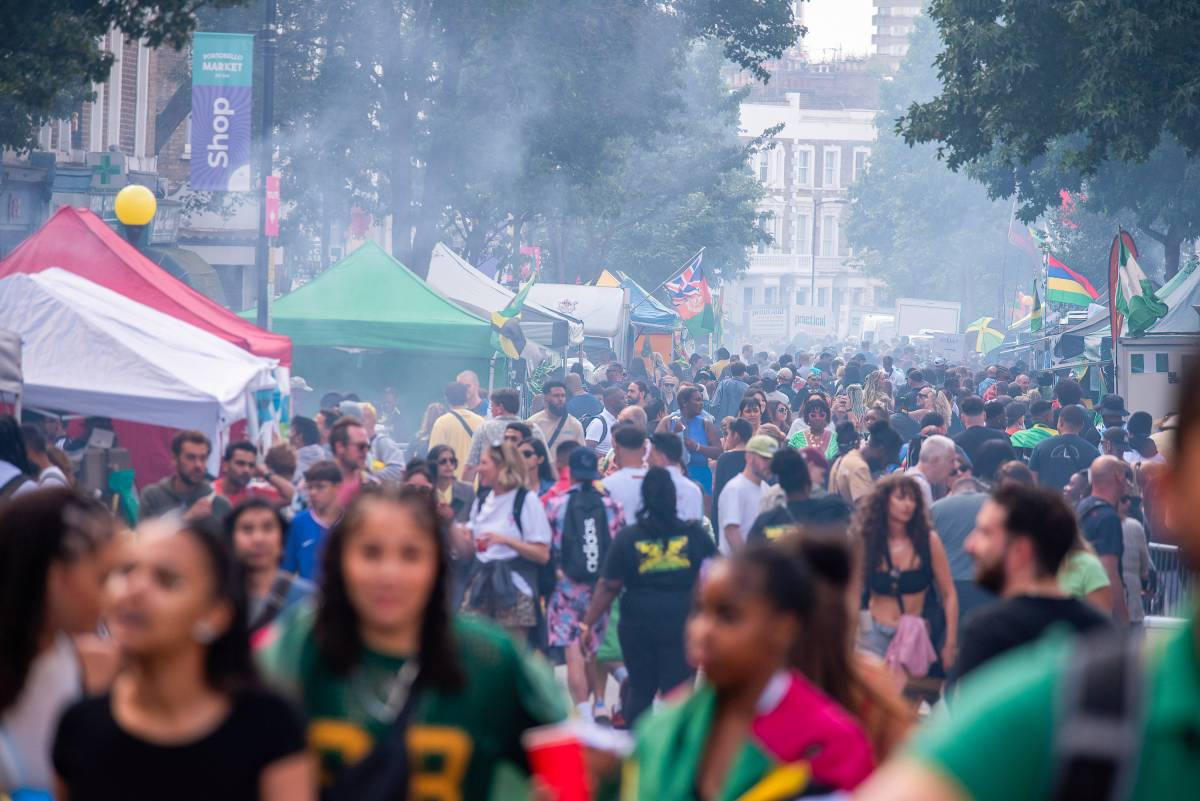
point(369, 323)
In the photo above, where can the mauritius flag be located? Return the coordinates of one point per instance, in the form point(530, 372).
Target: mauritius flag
point(1064, 285)
point(689, 293)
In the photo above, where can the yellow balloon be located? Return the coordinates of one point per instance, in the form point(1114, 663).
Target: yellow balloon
point(135, 205)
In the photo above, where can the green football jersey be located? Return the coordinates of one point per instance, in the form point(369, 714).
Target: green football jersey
point(457, 740)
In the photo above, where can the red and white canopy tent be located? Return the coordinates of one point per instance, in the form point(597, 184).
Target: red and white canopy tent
point(78, 241)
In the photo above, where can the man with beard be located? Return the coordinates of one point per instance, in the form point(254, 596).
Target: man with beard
point(556, 423)
point(1020, 539)
point(187, 490)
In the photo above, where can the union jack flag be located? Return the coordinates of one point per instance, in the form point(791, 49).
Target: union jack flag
point(688, 283)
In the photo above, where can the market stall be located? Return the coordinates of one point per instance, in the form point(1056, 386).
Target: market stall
point(604, 311)
point(650, 318)
point(368, 323)
point(452, 276)
point(78, 241)
point(95, 352)
point(1150, 366)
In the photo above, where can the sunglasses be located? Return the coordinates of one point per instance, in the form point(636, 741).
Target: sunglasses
point(361, 446)
point(451, 460)
point(528, 454)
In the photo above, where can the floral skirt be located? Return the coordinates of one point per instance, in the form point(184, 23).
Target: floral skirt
point(565, 610)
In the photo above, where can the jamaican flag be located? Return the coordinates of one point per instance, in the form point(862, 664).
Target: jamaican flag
point(507, 336)
point(1035, 317)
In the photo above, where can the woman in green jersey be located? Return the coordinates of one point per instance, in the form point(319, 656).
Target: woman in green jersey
point(381, 640)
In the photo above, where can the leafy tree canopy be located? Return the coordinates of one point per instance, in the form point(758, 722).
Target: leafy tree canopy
point(50, 53)
point(1100, 98)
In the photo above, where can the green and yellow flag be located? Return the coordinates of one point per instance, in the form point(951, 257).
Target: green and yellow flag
point(507, 336)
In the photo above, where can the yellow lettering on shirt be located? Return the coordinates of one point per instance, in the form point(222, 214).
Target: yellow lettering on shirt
point(440, 755)
point(653, 558)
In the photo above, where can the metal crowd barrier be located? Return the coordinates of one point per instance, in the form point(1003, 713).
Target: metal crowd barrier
point(1172, 590)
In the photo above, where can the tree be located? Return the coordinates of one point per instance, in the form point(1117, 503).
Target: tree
point(1101, 97)
point(486, 123)
point(924, 230)
point(50, 53)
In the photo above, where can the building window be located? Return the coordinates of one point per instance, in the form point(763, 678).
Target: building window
point(764, 165)
point(804, 234)
point(748, 296)
point(1137, 363)
point(804, 167)
point(860, 162)
point(822, 296)
point(764, 220)
point(1161, 363)
point(830, 164)
point(771, 296)
point(829, 239)
point(801, 297)
point(856, 297)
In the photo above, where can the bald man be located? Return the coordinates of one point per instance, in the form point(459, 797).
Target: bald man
point(1101, 524)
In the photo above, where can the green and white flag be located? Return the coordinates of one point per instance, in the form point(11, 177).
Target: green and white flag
point(1135, 296)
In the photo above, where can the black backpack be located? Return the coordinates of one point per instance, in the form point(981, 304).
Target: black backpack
point(585, 536)
point(587, 421)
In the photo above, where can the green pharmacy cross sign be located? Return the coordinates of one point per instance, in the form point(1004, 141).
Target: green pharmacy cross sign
point(105, 169)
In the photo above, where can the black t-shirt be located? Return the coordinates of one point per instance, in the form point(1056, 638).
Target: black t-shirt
point(1002, 626)
point(100, 761)
point(1101, 526)
point(1058, 458)
point(729, 464)
point(779, 522)
point(905, 426)
point(972, 439)
point(658, 573)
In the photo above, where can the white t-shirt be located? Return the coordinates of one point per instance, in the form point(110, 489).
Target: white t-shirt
point(689, 500)
point(495, 516)
point(595, 428)
point(738, 507)
point(625, 486)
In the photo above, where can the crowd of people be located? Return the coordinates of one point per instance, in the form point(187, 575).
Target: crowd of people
point(770, 568)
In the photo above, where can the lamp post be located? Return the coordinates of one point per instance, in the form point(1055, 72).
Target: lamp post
point(266, 163)
point(135, 207)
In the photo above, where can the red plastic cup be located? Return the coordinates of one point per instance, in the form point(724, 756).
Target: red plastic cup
point(480, 545)
point(556, 758)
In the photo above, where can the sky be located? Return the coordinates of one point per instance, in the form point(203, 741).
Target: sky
point(837, 23)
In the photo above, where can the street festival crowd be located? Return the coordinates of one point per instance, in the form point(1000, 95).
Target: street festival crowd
point(753, 576)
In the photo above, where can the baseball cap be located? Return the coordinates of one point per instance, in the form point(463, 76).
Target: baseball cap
point(582, 464)
point(762, 445)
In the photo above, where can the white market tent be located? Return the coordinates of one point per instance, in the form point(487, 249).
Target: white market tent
point(95, 352)
point(451, 275)
point(604, 310)
point(10, 369)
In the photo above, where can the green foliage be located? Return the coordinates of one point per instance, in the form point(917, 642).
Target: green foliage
point(1099, 97)
point(50, 53)
point(927, 231)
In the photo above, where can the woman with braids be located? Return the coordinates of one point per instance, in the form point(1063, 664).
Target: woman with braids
point(904, 560)
point(380, 661)
point(56, 548)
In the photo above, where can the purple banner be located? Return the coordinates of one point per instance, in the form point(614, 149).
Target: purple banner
point(221, 138)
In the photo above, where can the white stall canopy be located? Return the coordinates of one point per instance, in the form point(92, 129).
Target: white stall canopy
point(604, 310)
point(451, 275)
point(92, 351)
